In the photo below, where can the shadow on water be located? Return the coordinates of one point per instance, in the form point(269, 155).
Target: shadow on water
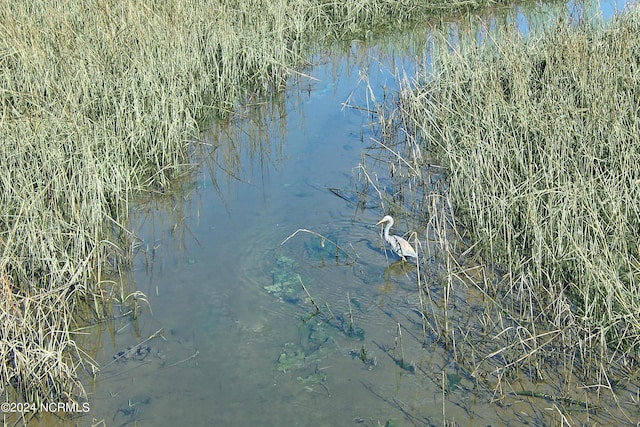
point(237, 328)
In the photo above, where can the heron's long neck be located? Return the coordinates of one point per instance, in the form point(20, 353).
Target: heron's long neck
point(387, 228)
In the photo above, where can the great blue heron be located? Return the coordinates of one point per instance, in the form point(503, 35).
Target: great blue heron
point(398, 244)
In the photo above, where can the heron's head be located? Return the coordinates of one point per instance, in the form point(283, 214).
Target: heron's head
point(387, 218)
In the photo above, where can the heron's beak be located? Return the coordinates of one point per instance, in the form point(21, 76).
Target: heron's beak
point(380, 222)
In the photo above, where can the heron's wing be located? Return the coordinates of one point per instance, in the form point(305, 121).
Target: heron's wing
point(394, 241)
point(401, 246)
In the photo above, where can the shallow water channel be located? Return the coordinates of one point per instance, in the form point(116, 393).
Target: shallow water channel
point(243, 342)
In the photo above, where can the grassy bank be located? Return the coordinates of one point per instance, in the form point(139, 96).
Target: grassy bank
point(540, 141)
point(102, 100)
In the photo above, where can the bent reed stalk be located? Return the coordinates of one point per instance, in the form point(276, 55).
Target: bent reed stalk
point(102, 100)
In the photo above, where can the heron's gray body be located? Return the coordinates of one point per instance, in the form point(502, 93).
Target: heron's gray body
point(398, 244)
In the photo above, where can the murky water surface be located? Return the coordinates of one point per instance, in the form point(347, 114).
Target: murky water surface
point(256, 332)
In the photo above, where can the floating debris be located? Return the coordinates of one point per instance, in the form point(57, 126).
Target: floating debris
point(317, 378)
point(322, 248)
point(134, 352)
point(368, 359)
point(285, 284)
point(318, 338)
point(292, 357)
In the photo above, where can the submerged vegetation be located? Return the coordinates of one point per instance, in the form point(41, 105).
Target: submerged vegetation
point(539, 137)
point(102, 101)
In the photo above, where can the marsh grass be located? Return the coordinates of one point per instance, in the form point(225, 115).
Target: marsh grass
point(540, 141)
point(534, 281)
